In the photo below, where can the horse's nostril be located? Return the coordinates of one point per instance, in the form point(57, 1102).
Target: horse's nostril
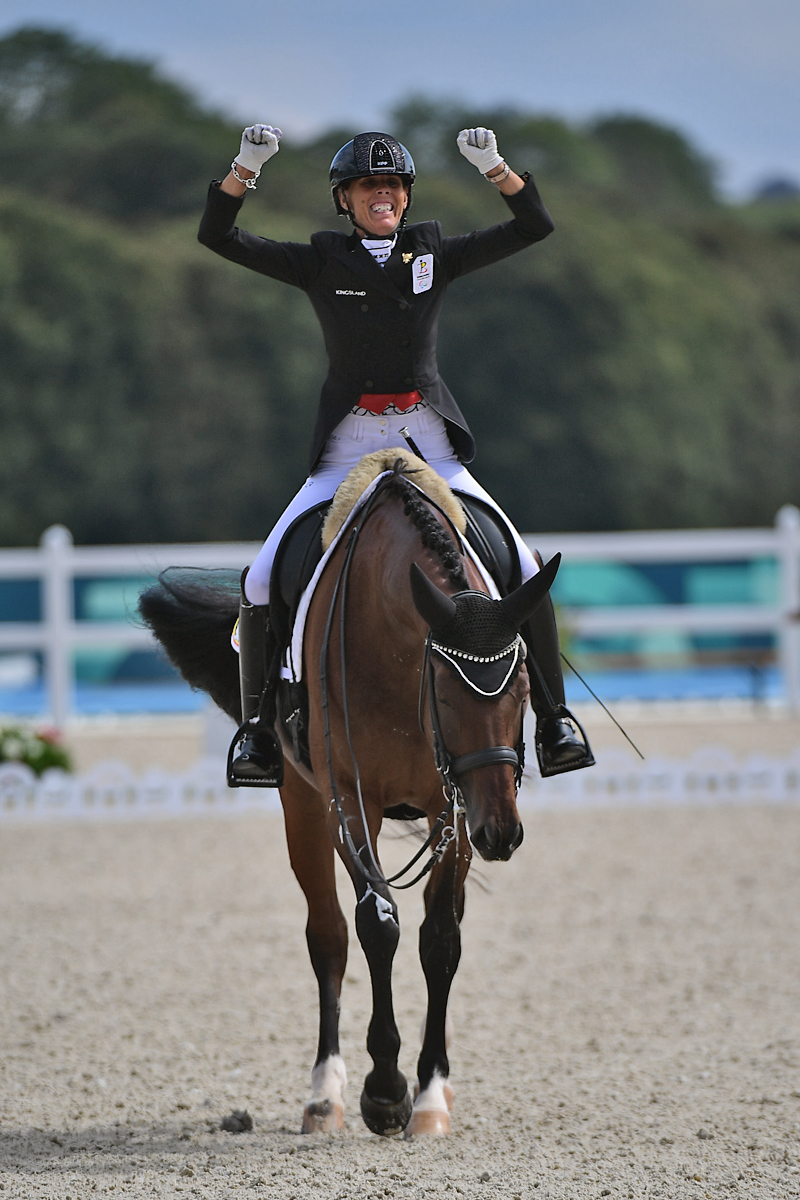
point(483, 839)
point(492, 843)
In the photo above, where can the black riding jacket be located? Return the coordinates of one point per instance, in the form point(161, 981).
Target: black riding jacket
point(380, 336)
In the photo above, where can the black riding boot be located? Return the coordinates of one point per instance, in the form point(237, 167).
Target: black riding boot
point(561, 744)
point(259, 761)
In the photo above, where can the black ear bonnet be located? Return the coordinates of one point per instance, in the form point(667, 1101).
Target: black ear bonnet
point(476, 636)
point(480, 643)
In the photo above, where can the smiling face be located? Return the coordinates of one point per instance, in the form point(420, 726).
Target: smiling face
point(377, 203)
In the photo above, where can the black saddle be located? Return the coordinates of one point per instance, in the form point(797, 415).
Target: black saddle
point(300, 551)
point(490, 537)
point(296, 560)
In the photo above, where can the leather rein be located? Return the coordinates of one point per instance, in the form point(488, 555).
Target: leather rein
point(450, 769)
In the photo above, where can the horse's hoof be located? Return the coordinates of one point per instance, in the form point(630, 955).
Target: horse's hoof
point(323, 1116)
point(428, 1122)
point(386, 1117)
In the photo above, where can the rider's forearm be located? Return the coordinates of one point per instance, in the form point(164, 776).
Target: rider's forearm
point(233, 187)
point(511, 184)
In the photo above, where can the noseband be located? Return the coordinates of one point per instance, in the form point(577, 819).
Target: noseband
point(451, 769)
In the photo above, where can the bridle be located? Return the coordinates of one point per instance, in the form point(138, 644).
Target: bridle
point(450, 769)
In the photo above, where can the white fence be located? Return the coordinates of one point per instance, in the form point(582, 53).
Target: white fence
point(782, 543)
point(111, 791)
point(57, 563)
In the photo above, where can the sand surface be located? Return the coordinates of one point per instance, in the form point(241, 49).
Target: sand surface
point(627, 1015)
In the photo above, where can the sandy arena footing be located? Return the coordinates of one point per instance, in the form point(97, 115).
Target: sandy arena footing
point(627, 1018)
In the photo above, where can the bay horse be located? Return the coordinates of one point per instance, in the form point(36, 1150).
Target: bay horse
point(417, 687)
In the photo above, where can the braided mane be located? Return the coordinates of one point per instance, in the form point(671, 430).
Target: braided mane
point(433, 534)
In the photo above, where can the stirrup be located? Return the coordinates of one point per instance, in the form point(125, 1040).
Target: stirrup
point(259, 762)
point(583, 759)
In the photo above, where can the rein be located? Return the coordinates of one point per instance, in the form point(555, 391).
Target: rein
point(449, 768)
point(375, 875)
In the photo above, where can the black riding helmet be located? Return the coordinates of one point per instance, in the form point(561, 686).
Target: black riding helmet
point(370, 154)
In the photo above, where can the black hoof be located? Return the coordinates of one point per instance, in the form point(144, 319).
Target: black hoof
point(386, 1117)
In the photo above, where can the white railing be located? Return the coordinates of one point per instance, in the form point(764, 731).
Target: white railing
point(782, 543)
point(57, 563)
point(111, 791)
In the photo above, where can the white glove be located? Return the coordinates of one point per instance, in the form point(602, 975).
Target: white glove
point(480, 147)
point(259, 143)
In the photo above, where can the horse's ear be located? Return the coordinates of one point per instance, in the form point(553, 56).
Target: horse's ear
point(435, 608)
point(522, 603)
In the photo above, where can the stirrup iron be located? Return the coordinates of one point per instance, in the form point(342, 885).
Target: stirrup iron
point(562, 714)
point(254, 746)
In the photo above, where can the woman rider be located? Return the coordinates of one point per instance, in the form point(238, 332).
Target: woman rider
point(377, 294)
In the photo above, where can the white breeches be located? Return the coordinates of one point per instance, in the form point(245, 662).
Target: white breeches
point(350, 441)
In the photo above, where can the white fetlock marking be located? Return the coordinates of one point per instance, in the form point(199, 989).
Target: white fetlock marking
point(435, 1096)
point(328, 1080)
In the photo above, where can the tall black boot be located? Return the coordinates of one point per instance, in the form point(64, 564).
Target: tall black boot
point(561, 744)
point(255, 758)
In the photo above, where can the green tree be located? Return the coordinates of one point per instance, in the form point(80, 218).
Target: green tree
point(640, 368)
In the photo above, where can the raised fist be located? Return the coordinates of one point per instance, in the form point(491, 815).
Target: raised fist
point(259, 143)
point(480, 147)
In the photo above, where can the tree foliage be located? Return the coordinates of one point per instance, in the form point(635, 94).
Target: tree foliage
point(637, 369)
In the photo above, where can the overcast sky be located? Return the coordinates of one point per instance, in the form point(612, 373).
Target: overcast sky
point(726, 72)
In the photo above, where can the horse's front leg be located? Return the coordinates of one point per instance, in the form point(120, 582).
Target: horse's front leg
point(440, 953)
point(385, 1102)
point(312, 857)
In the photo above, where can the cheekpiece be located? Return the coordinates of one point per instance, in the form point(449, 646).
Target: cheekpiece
point(480, 644)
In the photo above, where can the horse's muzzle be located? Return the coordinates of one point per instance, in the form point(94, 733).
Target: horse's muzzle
point(496, 842)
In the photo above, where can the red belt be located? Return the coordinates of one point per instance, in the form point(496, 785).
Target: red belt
point(378, 402)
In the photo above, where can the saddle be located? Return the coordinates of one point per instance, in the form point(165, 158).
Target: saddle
point(298, 556)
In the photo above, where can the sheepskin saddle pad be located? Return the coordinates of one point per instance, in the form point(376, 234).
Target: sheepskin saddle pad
point(369, 468)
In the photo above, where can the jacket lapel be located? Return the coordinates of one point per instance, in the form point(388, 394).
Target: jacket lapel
point(359, 260)
point(396, 270)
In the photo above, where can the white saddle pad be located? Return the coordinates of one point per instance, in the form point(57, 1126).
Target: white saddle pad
point(292, 667)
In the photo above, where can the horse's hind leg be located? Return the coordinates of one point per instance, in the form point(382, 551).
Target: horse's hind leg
point(312, 858)
point(440, 953)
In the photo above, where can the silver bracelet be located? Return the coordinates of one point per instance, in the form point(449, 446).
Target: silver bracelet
point(248, 183)
point(502, 177)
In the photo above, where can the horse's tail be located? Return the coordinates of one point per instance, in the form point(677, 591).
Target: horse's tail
point(192, 611)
